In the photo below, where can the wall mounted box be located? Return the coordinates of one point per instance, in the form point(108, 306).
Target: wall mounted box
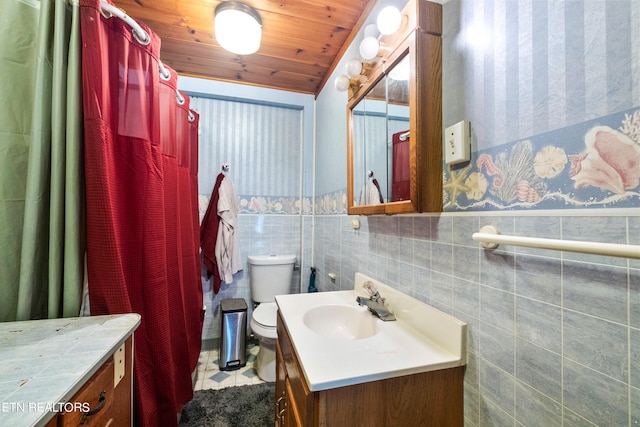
point(457, 147)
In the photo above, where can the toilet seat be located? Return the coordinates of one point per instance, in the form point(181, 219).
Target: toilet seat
point(264, 320)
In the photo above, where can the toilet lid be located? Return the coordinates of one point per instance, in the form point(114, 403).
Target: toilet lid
point(266, 314)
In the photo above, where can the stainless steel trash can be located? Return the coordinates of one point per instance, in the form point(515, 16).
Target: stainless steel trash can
point(233, 334)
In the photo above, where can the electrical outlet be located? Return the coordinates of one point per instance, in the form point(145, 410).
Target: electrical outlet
point(457, 147)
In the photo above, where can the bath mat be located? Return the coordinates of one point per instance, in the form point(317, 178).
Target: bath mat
point(242, 406)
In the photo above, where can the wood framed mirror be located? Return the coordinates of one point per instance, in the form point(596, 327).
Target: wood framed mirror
point(394, 121)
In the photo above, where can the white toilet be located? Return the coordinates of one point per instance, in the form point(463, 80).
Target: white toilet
point(269, 275)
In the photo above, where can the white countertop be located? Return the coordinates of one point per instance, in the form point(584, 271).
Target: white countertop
point(45, 362)
point(422, 339)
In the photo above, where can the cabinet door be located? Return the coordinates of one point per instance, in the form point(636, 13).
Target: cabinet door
point(281, 403)
point(300, 400)
point(294, 418)
point(110, 403)
point(99, 394)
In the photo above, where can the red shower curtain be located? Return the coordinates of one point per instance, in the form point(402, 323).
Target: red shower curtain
point(141, 157)
point(400, 187)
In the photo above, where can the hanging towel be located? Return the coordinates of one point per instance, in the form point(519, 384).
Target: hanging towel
point(227, 249)
point(371, 194)
point(401, 186)
point(209, 235)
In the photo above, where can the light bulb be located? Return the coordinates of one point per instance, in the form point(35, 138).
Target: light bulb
point(369, 48)
point(354, 67)
point(342, 83)
point(389, 20)
point(238, 28)
point(371, 30)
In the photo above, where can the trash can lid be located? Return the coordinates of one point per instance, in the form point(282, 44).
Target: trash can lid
point(233, 304)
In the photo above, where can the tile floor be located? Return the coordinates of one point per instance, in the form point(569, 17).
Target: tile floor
point(211, 377)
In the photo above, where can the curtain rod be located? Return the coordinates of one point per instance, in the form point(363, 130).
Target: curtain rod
point(108, 10)
point(490, 238)
point(140, 34)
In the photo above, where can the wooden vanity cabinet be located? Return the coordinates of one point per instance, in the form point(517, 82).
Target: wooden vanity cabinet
point(424, 399)
point(110, 403)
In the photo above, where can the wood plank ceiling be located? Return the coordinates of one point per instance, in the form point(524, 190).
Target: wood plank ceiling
point(302, 40)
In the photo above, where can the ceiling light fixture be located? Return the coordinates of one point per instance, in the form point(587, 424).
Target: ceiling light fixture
point(238, 27)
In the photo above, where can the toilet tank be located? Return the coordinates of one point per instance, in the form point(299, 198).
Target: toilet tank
point(270, 275)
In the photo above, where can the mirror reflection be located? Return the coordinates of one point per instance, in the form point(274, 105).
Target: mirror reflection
point(381, 139)
point(370, 134)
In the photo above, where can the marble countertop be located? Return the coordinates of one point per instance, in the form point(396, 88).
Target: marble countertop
point(43, 363)
point(423, 339)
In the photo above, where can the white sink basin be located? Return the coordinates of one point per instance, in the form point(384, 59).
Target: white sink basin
point(341, 322)
point(339, 343)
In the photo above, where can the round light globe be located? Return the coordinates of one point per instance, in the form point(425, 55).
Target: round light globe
point(369, 48)
point(342, 83)
point(354, 67)
point(389, 20)
point(371, 30)
point(237, 31)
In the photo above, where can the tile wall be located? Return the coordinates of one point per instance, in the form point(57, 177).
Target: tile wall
point(259, 235)
point(554, 337)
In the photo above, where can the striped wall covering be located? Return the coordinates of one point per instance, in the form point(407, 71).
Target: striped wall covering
point(260, 142)
point(529, 67)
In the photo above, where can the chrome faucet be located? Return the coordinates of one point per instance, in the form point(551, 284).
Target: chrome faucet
point(375, 302)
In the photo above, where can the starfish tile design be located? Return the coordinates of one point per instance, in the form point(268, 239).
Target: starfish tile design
point(455, 185)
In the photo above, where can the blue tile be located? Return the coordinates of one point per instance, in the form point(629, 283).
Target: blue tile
point(466, 263)
point(441, 229)
point(442, 258)
point(596, 343)
point(534, 409)
point(596, 397)
point(466, 296)
point(504, 225)
point(634, 237)
point(634, 295)
point(442, 289)
point(405, 226)
point(422, 227)
point(471, 374)
point(422, 283)
point(545, 227)
point(405, 278)
point(497, 385)
point(492, 415)
point(422, 253)
point(539, 278)
point(539, 368)
point(405, 250)
point(249, 373)
point(219, 376)
point(471, 406)
point(612, 229)
point(634, 342)
point(497, 270)
point(497, 347)
point(539, 323)
point(497, 308)
point(635, 406)
point(598, 290)
point(463, 229)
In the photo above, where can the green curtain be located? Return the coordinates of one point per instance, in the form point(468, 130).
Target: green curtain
point(42, 232)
